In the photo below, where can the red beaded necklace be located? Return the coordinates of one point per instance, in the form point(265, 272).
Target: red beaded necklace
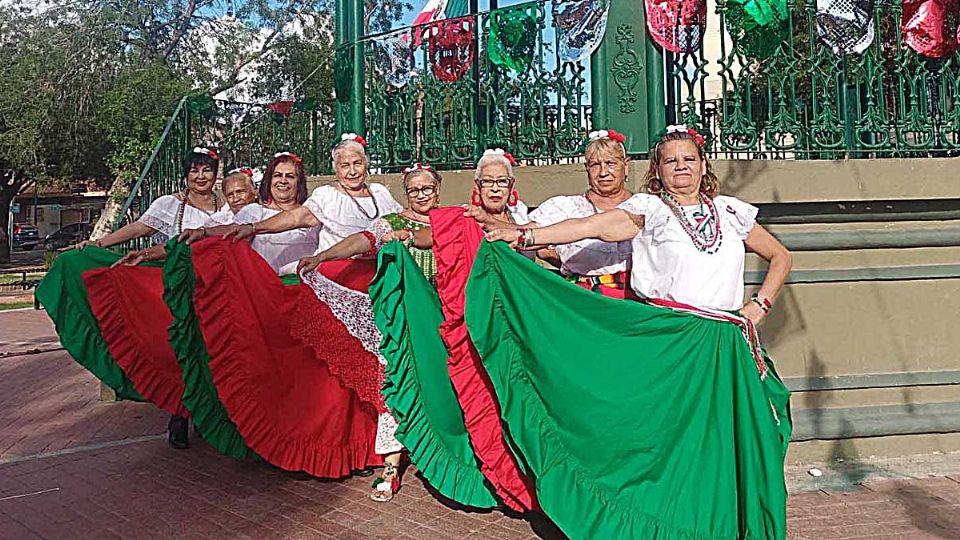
point(707, 244)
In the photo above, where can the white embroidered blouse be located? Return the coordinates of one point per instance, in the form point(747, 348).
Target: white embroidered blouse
point(162, 217)
point(589, 257)
point(341, 215)
point(281, 250)
point(667, 265)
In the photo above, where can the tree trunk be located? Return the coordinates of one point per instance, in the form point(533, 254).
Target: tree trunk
point(111, 211)
point(5, 240)
point(10, 185)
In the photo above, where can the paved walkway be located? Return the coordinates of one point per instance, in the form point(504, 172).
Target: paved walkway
point(72, 467)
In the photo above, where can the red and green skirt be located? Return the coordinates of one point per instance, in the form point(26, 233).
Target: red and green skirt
point(617, 419)
point(216, 334)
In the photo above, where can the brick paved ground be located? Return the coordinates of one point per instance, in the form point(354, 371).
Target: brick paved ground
point(75, 468)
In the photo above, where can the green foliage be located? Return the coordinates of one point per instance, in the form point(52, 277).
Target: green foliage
point(130, 123)
point(86, 86)
point(302, 64)
point(381, 14)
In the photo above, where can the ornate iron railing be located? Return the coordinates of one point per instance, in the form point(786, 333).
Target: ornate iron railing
point(799, 99)
point(244, 134)
point(538, 111)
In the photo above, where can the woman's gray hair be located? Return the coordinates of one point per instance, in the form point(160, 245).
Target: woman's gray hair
point(429, 173)
point(491, 158)
point(351, 145)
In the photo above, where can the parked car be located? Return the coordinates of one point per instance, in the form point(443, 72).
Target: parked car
point(67, 236)
point(25, 236)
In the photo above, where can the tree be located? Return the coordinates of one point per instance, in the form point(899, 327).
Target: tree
point(379, 15)
point(86, 86)
point(50, 78)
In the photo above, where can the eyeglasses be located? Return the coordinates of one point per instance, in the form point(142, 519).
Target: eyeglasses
point(426, 191)
point(596, 166)
point(502, 182)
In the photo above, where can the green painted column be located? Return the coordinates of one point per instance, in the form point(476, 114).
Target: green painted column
point(357, 112)
point(656, 99)
point(341, 37)
point(627, 79)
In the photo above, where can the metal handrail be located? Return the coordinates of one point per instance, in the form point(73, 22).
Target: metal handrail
point(135, 189)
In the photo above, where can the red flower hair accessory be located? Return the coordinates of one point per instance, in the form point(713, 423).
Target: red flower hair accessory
point(608, 134)
point(417, 167)
point(355, 138)
point(501, 152)
point(243, 170)
point(682, 128)
point(207, 152)
point(290, 155)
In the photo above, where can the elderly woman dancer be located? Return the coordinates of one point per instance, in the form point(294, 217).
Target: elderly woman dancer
point(494, 197)
point(238, 190)
point(422, 186)
point(119, 339)
point(296, 367)
point(611, 418)
point(454, 246)
point(284, 189)
point(591, 263)
point(417, 387)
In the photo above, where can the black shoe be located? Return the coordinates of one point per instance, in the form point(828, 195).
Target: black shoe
point(363, 473)
point(178, 430)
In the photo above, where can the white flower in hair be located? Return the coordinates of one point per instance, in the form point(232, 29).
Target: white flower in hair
point(599, 134)
point(678, 128)
point(500, 152)
point(206, 152)
point(354, 137)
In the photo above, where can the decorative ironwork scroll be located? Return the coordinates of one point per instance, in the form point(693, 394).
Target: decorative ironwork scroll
point(626, 69)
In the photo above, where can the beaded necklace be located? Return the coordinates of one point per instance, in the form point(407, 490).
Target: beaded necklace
point(707, 243)
point(183, 204)
point(376, 209)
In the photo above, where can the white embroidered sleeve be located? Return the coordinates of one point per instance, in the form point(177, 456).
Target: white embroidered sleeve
point(550, 212)
point(320, 198)
point(740, 215)
point(250, 213)
point(386, 200)
point(654, 212)
point(161, 216)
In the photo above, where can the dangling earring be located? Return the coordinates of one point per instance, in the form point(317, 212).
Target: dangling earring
point(513, 199)
point(475, 197)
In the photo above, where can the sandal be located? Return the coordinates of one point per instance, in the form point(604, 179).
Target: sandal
point(386, 485)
